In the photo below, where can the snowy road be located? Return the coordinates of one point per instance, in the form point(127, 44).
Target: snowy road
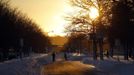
point(32, 65)
point(68, 68)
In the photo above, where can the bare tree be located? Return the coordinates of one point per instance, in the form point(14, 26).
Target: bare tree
point(83, 23)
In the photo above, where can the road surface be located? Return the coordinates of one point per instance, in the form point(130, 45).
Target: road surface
point(68, 68)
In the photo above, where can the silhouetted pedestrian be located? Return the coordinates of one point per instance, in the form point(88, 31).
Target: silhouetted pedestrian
point(65, 56)
point(107, 54)
point(53, 56)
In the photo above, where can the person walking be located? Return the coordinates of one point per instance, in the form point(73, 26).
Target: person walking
point(53, 56)
point(65, 55)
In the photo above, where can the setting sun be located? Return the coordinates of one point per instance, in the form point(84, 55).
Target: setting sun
point(50, 15)
point(93, 13)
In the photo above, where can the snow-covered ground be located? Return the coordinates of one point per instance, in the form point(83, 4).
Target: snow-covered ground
point(26, 66)
point(112, 66)
point(32, 65)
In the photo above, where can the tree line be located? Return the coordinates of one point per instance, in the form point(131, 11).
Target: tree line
point(114, 23)
point(17, 30)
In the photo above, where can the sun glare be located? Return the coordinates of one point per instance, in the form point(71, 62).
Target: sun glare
point(58, 26)
point(59, 22)
point(94, 13)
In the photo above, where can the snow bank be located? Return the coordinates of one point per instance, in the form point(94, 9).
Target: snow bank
point(25, 66)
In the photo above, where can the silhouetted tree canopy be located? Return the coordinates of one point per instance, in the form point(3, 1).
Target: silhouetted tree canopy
point(14, 26)
point(122, 24)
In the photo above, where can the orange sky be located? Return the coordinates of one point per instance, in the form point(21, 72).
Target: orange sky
point(58, 40)
point(47, 13)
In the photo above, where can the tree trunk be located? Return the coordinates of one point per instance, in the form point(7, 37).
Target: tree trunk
point(94, 49)
point(130, 52)
point(111, 52)
point(101, 48)
point(126, 51)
